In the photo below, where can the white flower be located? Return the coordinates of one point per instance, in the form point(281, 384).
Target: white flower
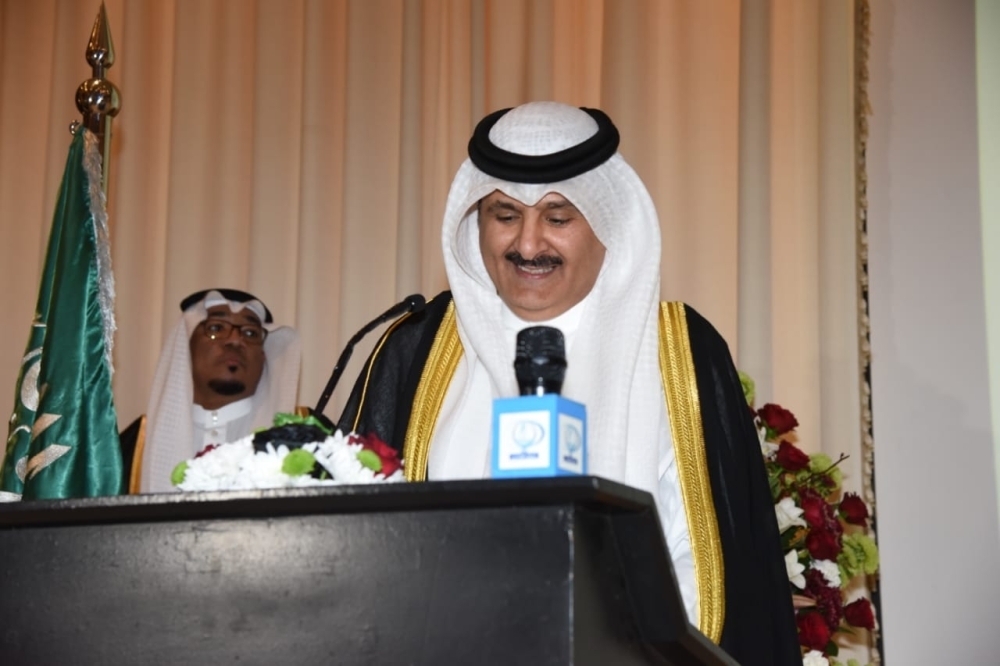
point(794, 569)
point(788, 514)
point(768, 449)
point(830, 571)
point(814, 658)
point(237, 466)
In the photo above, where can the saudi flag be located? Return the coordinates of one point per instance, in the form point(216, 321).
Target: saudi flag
point(63, 436)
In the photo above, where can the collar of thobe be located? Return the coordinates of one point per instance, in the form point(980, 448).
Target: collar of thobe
point(231, 412)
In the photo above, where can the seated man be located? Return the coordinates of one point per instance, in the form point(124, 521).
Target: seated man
point(224, 371)
point(546, 224)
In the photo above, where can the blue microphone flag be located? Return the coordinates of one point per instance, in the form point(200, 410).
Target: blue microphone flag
point(538, 435)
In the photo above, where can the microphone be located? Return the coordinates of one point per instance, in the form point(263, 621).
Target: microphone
point(539, 433)
point(540, 360)
point(412, 303)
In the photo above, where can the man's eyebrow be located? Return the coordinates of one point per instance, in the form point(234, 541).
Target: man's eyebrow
point(561, 203)
point(500, 204)
point(220, 314)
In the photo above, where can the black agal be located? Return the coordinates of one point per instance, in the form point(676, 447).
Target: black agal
point(551, 168)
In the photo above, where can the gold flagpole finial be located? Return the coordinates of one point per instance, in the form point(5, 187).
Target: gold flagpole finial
point(97, 98)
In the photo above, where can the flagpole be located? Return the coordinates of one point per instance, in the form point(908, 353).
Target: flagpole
point(97, 98)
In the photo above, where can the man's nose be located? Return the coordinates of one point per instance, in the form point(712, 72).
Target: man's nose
point(530, 240)
point(235, 338)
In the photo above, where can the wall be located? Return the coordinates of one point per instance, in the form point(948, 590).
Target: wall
point(935, 481)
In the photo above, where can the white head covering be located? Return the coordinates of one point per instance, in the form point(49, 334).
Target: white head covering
point(169, 431)
point(613, 365)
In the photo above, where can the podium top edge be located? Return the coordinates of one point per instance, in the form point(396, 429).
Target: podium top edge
point(591, 491)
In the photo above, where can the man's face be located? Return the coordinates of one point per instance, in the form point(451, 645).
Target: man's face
point(229, 367)
point(543, 258)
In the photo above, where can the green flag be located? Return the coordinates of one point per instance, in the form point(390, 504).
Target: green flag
point(63, 436)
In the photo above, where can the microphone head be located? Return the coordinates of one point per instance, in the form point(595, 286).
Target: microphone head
point(540, 360)
point(415, 302)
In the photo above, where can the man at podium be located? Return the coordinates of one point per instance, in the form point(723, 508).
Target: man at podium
point(546, 224)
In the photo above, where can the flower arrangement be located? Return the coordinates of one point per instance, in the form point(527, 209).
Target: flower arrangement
point(297, 452)
point(822, 535)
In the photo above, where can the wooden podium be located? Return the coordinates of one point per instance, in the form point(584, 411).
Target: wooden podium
point(539, 571)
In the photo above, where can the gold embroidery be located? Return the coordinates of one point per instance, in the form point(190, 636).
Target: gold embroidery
point(684, 408)
point(140, 444)
point(438, 371)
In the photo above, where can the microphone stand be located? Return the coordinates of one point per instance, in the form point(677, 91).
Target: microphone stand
point(413, 303)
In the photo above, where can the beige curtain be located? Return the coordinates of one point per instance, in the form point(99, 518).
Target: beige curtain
point(303, 150)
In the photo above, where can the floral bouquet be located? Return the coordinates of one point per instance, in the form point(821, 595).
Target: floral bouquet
point(822, 535)
point(297, 452)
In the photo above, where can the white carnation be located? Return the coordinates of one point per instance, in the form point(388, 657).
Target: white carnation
point(814, 658)
point(830, 571)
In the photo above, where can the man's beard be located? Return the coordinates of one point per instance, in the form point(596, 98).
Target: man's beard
point(227, 386)
point(541, 261)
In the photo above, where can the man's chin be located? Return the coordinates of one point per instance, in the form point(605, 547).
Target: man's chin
point(227, 387)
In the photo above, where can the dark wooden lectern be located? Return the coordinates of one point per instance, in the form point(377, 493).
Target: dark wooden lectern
point(540, 572)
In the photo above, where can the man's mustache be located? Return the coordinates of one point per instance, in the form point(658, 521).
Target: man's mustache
point(541, 261)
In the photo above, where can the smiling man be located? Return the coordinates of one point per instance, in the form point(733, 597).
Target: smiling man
point(547, 224)
point(225, 370)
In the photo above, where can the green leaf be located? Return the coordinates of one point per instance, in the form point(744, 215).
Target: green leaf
point(285, 418)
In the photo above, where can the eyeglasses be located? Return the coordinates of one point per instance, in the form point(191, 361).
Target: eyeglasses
point(252, 334)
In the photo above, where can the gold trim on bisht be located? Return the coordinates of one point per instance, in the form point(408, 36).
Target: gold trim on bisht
point(438, 371)
point(140, 444)
point(683, 406)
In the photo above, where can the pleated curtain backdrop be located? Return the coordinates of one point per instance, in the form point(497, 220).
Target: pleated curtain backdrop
point(303, 150)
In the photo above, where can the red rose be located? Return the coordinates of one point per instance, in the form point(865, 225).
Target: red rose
point(388, 455)
point(823, 545)
point(853, 509)
point(791, 457)
point(777, 418)
point(813, 508)
point(813, 632)
point(859, 614)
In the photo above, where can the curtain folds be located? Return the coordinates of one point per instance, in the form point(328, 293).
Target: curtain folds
point(303, 150)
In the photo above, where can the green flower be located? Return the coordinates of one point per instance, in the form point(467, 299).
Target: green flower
point(298, 462)
point(370, 460)
point(177, 476)
point(749, 388)
point(820, 463)
point(860, 554)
